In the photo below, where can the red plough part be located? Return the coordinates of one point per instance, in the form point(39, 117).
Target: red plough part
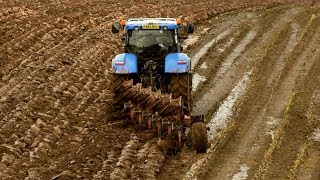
point(156, 110)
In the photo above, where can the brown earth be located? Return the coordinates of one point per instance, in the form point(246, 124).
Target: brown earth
point(55, 97)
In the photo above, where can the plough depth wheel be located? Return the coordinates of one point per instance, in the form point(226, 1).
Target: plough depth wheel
point(199, 137)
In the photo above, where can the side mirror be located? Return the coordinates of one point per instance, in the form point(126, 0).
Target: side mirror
point(115, 28)
point(190, 28)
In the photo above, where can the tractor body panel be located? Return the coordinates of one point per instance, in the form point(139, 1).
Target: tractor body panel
point(125, 63)
point(177, 63)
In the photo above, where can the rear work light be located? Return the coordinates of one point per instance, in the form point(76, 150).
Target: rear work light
point(182, 62)
point(119, 63)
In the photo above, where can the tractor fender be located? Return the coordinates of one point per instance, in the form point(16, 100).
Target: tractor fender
point(177, 63)
point(125, 63)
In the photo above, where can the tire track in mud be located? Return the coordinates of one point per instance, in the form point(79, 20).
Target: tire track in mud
point(238, 36)
point(266, 45)
point(293, 129)
point(281, 90)
point(276, 58)
point(254, 157)
point(239, 61)
point(222, 30)
point(247, 146)
point(229, 57)
point(307, 166)
point(210, 66)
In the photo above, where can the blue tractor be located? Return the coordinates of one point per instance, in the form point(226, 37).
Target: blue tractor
point(153, 65)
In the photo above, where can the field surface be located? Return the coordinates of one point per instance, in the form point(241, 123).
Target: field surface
point(256, 68)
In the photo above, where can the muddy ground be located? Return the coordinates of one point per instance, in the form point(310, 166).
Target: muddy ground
point(256, 78)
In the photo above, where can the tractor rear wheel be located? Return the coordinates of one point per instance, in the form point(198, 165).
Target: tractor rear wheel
point(118, 102)
point(199, 137)
point(180, 85)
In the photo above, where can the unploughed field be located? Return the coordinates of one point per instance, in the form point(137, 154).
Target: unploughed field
point(256, 68)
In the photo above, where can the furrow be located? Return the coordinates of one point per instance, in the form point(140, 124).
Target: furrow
point(228, 117)
point(293, 130)
point(241, 63)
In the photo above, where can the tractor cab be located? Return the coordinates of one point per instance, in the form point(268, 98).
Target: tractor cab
point(150, 38)
point(151, 44)
point(152, 50)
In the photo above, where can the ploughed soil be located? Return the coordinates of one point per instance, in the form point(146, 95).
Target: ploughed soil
point(256, 77)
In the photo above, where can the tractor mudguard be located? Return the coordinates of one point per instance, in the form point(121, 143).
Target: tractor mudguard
point(177, 63)
point(125, 63)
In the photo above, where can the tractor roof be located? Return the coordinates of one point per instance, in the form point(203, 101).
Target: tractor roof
point(152, 23)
